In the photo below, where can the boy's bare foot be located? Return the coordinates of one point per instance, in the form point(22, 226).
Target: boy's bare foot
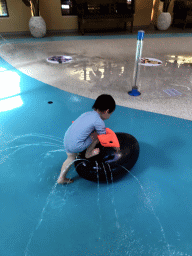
point(94, 152)
point(64, 180)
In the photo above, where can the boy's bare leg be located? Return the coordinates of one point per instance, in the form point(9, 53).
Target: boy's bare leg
point(65, 168)
point(91, 150)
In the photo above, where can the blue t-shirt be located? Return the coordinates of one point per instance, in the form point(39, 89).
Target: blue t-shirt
point(77, 137)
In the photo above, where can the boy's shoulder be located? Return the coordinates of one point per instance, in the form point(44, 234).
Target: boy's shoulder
point(91, 114)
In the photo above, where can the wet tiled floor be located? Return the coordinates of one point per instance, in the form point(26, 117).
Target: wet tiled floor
point(106, 63)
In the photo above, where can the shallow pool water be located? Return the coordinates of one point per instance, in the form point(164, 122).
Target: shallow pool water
point(146, 212)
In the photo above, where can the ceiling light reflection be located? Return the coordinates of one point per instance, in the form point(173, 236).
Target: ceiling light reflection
point(9, 88)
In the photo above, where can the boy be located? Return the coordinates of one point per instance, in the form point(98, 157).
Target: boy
point(82, 134)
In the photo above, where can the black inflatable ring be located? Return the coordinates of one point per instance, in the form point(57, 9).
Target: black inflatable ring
point(108, 164)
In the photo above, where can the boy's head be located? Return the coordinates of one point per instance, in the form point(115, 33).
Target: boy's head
point(105, 104)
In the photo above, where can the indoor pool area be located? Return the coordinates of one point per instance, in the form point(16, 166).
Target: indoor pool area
point(146, 211)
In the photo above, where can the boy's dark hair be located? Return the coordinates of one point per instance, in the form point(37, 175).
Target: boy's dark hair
point(104, 102)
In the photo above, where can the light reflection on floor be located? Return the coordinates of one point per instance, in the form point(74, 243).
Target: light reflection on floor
point(180, 60)
point(102, 69)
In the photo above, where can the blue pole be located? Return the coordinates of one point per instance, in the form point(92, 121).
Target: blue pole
point(134, 91)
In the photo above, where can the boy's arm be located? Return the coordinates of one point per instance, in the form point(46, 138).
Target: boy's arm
point(100, 127)
point(94, 137)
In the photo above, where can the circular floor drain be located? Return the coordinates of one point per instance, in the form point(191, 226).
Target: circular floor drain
point(59, 59)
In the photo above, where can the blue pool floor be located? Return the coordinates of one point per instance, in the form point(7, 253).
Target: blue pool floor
point(146, 212)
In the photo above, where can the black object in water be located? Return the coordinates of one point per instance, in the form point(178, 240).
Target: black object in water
point(108, 163)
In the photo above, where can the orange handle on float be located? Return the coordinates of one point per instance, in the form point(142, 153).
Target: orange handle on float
point(109, 139)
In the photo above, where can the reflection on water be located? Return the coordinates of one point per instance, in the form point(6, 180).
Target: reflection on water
point(180, 59)
point(116, 74)
point(100, 70)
